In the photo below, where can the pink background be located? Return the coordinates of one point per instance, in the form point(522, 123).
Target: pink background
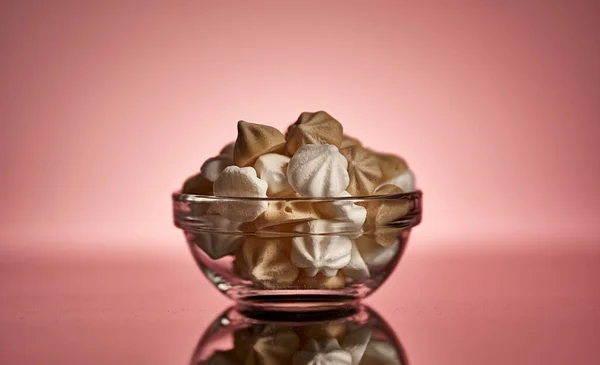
point(107, 106)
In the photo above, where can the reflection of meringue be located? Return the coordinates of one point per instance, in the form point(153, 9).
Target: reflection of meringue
point(313, 128)
point(254, 140)
point(273, 345)
point(381, 352)
point(320, 253)
point(363, 169)
point(222, 358)
point(272, 167)
point(240, 182)
point(355, 342)
point(212, 167)
point(405, 181)
point(219, 237)
point(318, 171)
point(328, 352)
point(356, 268)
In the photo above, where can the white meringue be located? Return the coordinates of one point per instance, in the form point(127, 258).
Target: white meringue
point(344, 210)
point(381, 352)
point(219, 239)
point(357, 267)
point(355, 342)
point(318, 171)
point(405, 181)
point(327, 352)
point(375, 254)
point(227, 150)
point(240, 182)
point(320, 253)
point(212, 168)
point(272, 168)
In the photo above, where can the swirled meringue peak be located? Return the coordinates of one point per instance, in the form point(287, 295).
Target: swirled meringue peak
point(254, 140)
point(320, 253)
point(318, 171)
point(313, 128)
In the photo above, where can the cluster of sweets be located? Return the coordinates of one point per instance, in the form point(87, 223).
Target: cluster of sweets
point(318, 344)
point(313, 159)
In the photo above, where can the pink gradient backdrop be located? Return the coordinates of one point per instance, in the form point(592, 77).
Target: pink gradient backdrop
point(107, 106)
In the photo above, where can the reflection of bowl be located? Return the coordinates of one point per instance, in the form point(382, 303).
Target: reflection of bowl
point(354, 337)
point(299, 253)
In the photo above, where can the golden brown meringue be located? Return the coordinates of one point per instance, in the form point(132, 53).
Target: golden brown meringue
point(364, 170)
point(267, 261)
point(391, 165)
point(254, 140)
point(348, 141)
point(283, 212)
point(197, 184)
point(321, 281)
point(313, 128)
point(380, 213)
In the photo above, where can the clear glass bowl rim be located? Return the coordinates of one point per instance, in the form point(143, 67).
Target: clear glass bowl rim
point(178, 196)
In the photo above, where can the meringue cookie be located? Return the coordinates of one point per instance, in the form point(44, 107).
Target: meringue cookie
point(197, 184)
point(320, 253)
point(355, 342)
point(254, 140)
point(266, 261)
point(348, 141)
point(382, 212)
point(227, 150)
point(380, 352)
point(283, 212)
point(240, 182)
point(323, 330)
point(391, 165)
point(327, 352)
point(318, 171)
point(344, 210)
point(375, 254)
point(220, 238)
point(313, 128)
point(273, 345)
point(357, 267)
point(272, 168)
point(212, 168)
point(321, 281)
point(363, 169)
point(405, 181)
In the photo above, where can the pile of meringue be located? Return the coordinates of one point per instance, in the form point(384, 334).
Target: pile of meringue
point(333, 344)
point(314, 159)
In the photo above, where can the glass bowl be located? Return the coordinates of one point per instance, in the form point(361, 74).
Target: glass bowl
point(354, 337)
point(297, 253)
